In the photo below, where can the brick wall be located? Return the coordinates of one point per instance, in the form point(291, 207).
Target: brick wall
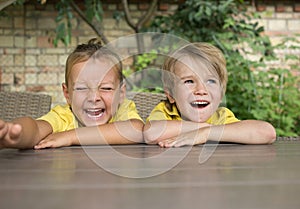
point(29, 61)
point(279, 18)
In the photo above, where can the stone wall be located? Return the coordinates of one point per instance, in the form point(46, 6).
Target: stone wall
point(30, 62)
point(279, 18)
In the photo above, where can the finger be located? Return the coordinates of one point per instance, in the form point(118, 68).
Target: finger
point(161, 144)
point(167, 143)
point(15, 131)
point(43, 144)
point(185, 142)
point(180, 144)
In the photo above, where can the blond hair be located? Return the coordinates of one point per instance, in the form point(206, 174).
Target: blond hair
point(92, 49)
point(207, 54)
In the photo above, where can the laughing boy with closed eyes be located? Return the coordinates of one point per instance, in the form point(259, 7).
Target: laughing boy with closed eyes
point(96, 112)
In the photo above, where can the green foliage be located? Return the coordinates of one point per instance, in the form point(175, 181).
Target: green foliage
point(92, 9)
point(63, 20)
point(271, 95)
point(145, 69)
point(255, 90)
point(144, 60)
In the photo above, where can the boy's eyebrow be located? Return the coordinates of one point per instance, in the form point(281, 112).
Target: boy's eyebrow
point(107, 82)
point(186, 77)
point(79, 82)
point(100, 83)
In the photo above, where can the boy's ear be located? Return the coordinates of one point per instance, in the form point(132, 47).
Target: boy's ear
point(169, 96)
point(66, 93)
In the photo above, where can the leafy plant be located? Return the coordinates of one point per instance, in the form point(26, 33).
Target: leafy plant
point(144, 76)
point(92, 10)
point(63, 20)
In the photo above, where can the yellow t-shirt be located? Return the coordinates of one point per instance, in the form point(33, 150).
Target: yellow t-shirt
point(222, 116)
point(61, 117)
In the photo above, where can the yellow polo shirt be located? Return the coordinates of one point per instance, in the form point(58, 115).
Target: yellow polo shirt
point(61, 117)
point(222, 116)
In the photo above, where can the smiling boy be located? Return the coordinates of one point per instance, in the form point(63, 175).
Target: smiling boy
point(96, 112)
point(195, 79)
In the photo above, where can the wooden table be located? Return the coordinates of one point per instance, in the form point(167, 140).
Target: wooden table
point(143, 176)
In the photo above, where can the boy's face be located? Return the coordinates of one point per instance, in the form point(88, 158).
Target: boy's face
point(197, 91)
point(94, 92)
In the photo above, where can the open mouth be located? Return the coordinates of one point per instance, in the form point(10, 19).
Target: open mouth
point(94, 113)
point(200, 104)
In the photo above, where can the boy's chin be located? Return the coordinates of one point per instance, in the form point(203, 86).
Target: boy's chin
point(195, 119)
point(198, 121)
point(93, 122)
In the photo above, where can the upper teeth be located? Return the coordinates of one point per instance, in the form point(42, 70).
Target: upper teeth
point(199, 103)
point(93, 110)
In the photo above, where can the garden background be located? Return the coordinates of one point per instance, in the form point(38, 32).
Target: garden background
point(259, 39)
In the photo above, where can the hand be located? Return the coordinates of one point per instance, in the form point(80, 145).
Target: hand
point(188, 138)
point(61, 139)
point(9, 134)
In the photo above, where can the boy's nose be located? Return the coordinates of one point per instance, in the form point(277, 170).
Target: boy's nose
point(200, 89)
point(94, 95)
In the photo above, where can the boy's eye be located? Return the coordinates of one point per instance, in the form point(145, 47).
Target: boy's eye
point(81, 88)
point(106, 88)
point(188, 81)
point(211, 81)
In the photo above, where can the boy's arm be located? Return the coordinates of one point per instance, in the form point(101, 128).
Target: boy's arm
point(121, 132)
point(160, 130)
point(244, 132)
point(23, 133)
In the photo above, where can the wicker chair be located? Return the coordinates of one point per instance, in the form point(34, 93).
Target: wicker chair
point(18, 104)
point(145, 102)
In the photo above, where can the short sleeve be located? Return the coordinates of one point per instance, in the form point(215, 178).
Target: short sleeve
point(222, 116)
point(126, 111)
point(161, 112)
point(60, 118)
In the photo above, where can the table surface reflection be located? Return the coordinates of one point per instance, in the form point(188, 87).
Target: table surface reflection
point(143, 176)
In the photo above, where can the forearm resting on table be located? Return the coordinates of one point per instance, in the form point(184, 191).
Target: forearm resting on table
point(122, 132)
point(158, 130)
point(245, 132)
